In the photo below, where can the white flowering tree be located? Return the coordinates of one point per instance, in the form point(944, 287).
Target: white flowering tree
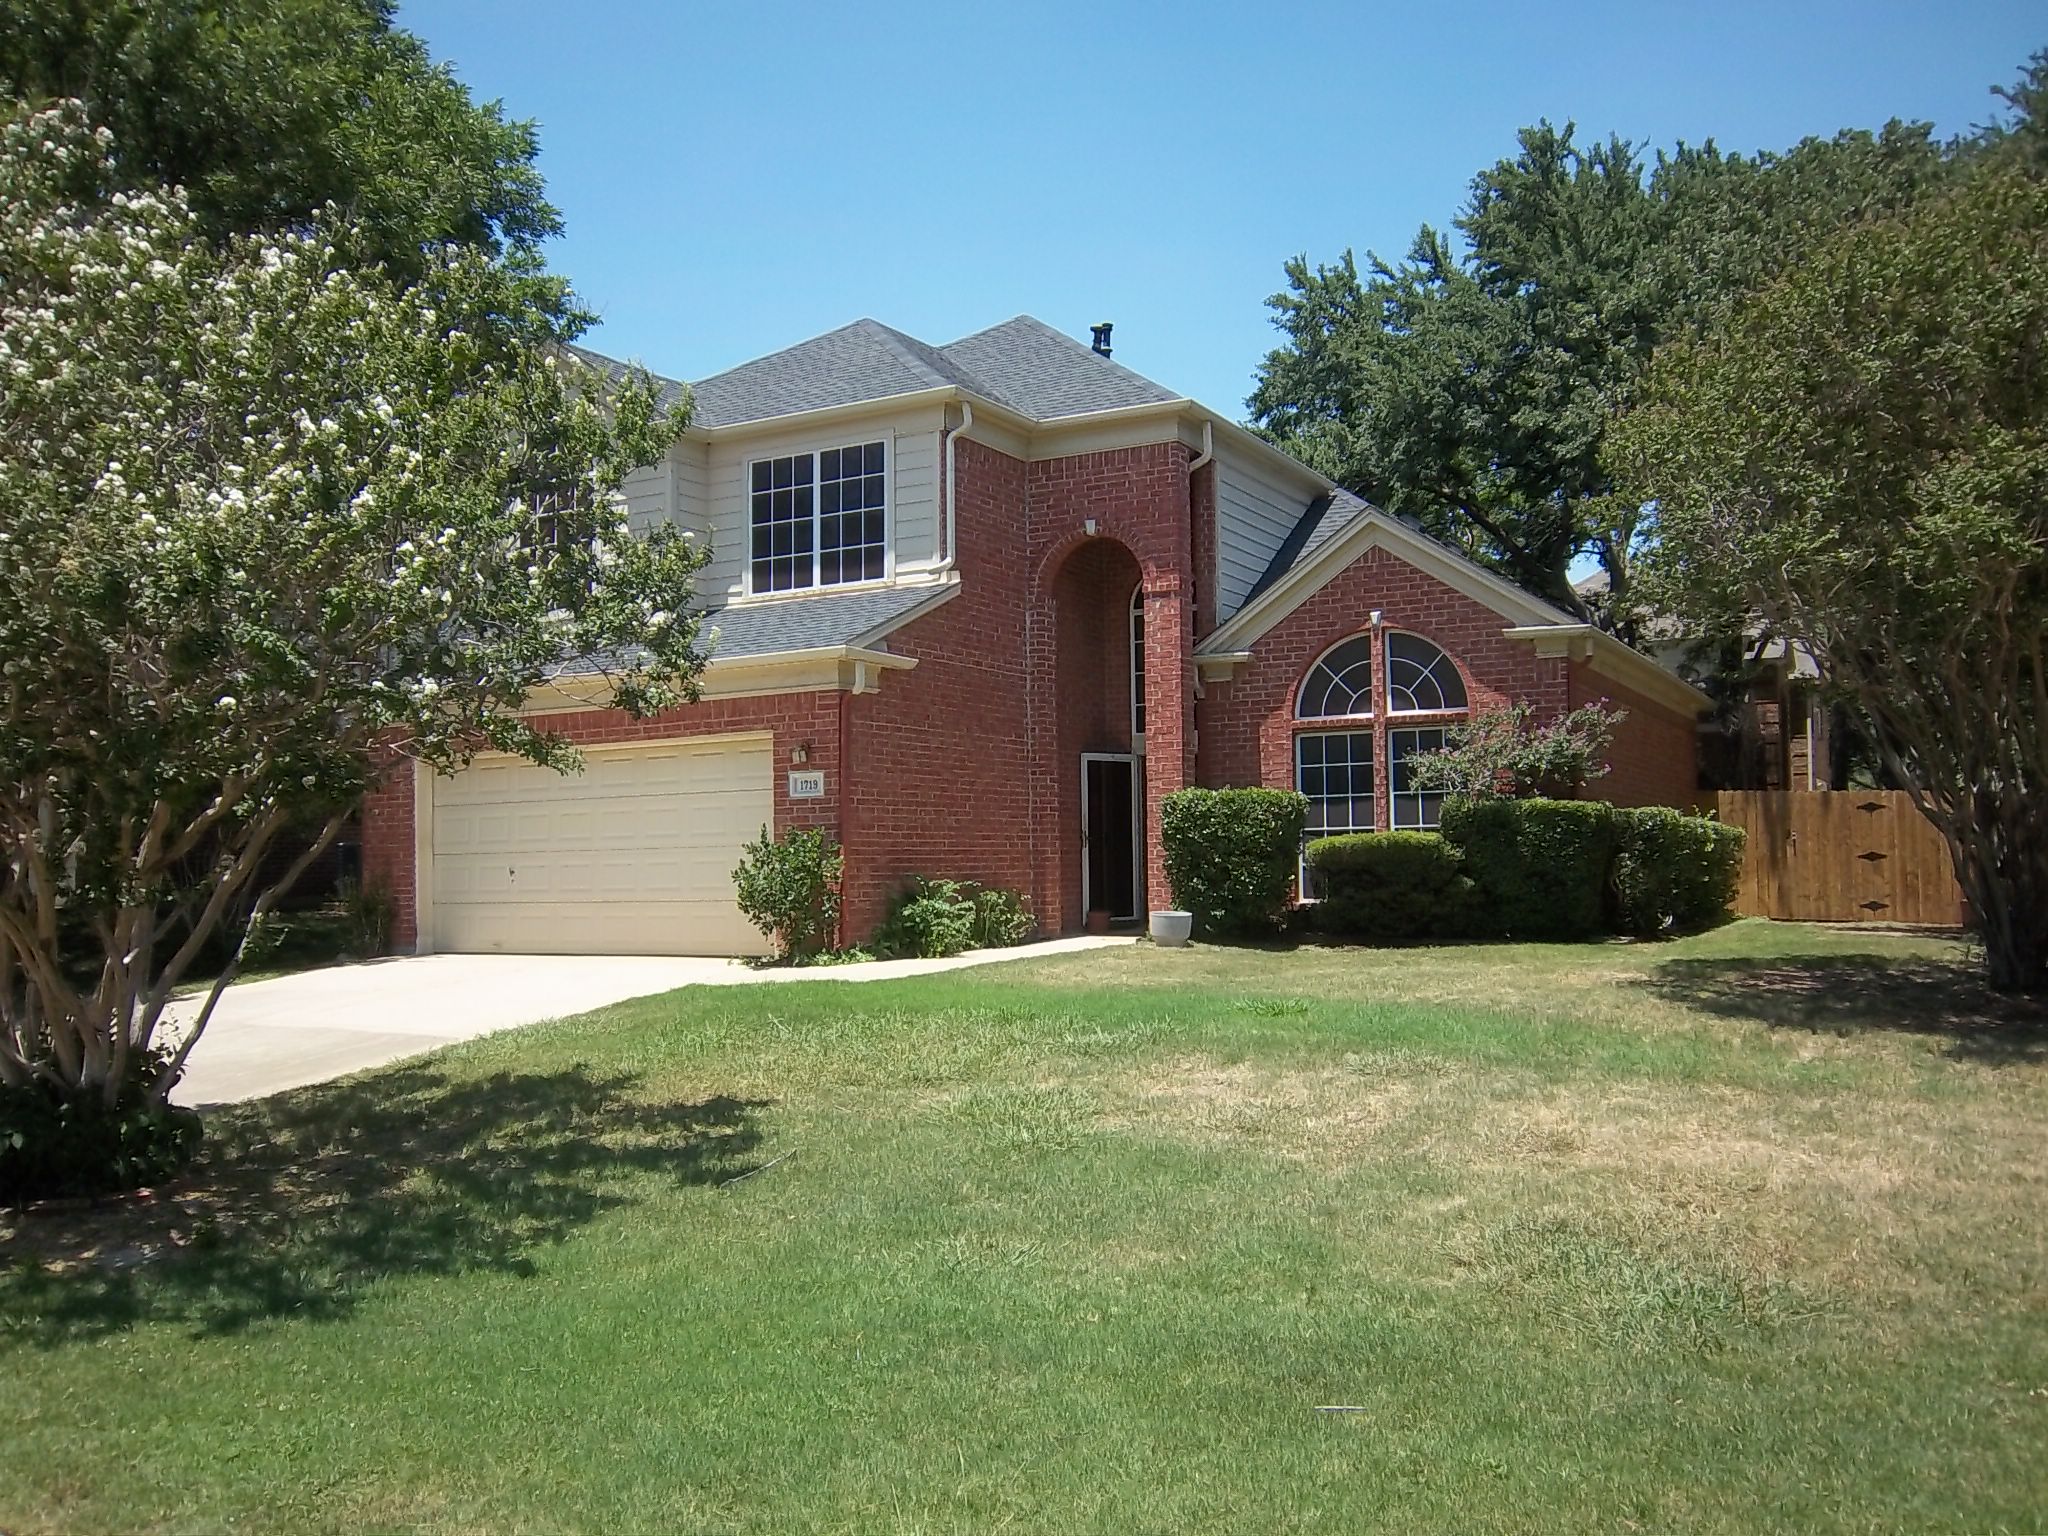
point(268, 522)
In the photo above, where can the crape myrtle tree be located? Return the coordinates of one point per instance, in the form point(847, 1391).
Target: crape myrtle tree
point(270, 521)
point(1859, 456)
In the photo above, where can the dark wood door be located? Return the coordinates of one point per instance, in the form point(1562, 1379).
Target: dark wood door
point(1109, 823)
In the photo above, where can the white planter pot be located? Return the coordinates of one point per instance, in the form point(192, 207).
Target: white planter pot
point(1170, 930)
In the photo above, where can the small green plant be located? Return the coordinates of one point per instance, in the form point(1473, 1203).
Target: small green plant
point(930, 920)
point(789, 889)
point(1001, 918)
point(1230, 856)
point(57, 1141)
point(366, 916)
point(1391, 887)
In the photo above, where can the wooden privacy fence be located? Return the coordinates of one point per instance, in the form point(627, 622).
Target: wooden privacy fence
point(1840, 855)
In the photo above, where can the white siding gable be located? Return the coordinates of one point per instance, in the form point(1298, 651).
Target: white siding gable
point(716, 489)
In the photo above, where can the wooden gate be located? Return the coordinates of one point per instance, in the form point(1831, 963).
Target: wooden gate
point(1841, 855)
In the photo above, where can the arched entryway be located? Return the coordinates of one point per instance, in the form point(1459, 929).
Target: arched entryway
point(1098, 693)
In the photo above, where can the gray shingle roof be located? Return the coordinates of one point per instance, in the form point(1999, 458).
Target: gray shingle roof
point(1046, 374)
point(666, 391)
point(862, 361)
point(1023, 364)
point(817, 619)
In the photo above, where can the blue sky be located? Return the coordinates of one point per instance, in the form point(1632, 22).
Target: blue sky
point(737, 177)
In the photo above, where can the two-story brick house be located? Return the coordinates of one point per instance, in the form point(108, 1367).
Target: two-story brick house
point(977, 610)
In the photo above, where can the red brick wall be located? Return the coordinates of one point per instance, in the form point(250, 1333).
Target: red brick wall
point(807, 719)
point(1139, 498)
point(1654, 757)
point(940, 781)
point(1248, 724)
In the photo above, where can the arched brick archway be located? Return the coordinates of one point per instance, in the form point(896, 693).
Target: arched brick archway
point(1138, 502)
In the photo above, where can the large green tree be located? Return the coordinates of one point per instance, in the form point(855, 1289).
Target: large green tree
point(269, 518)
point(1859, 456)
point(1471, 385)
point(266, 111)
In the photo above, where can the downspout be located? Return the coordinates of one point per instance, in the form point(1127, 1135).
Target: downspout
point(952, 478)
point(1208, 448)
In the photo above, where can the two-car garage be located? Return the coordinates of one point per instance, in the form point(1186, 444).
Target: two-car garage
point(634, 855)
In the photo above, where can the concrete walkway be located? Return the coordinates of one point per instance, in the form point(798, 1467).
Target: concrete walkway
point(267, 1036)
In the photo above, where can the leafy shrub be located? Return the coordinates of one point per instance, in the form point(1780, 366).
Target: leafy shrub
point(1230, 856)
point(1391, 887)
point(930, 920)
point(57, 1142)
point(366, 909)
point(1540, 866)
point(1503, 753)
point(789, 889)
point(1001, 918)
point(1672, 871)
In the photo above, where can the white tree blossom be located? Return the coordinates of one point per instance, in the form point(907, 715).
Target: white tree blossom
point(265, 528)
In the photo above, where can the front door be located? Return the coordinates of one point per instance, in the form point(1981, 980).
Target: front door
point(1110, 835)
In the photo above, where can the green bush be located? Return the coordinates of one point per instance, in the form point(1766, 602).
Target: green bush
point(1540, 866)
point(1230, 856)
point(1671, 871)
point(789, 889)
point(55, 1143)
point(930, 920)
point(1390, 887)
point(1000, 918)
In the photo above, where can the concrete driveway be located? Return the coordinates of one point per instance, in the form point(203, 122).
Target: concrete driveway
point(267, 1036)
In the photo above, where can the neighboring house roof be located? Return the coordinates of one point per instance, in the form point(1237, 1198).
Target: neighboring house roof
point(1023, 365)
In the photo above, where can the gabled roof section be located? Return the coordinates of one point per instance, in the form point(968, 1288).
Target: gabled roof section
point(1023, 365)
point(864, 361)
point(1336, 529)
point(1046, 374)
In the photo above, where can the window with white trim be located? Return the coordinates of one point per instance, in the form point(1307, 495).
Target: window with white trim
point(1421, 679)
point(1340, 684)
point(1334, 769)
point(819, 519)
point(1138, 661)
point(1409, 808)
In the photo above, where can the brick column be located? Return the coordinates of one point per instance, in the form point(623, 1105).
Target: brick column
point(1169, 712)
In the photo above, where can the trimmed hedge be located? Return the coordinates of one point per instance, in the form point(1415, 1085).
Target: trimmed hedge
point(1672, 872)
point(1540, 866)
point(1230, 856)
point(1391, 887)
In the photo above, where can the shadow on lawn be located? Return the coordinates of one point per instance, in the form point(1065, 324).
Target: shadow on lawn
point(1847, 994)
point(299, 1202)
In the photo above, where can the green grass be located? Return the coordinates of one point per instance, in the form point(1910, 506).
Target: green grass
point(1738, 1233)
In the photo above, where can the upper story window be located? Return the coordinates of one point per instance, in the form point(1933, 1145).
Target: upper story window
point(820, 519)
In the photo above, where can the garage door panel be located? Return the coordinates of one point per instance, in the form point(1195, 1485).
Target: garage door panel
point(634, 855)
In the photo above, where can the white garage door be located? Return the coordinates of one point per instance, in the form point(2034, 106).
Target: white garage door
point(634, 855)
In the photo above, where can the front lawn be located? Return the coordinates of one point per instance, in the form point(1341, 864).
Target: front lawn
point(1739, 1233)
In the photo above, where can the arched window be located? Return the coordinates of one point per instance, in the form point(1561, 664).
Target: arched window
point(1339, 684)
point(1420, 677)
point(1341, 771)
point(1138, 660)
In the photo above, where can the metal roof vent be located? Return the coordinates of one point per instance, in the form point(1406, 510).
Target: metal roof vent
point(1102, 337)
